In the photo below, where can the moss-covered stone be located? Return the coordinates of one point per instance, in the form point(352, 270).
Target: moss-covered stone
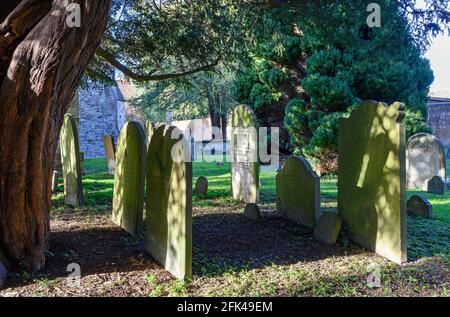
point(436, 186)
point(328, 228)
point(244, 155)
point(149, 131)
point(372, 178)
point(110, 153)
point(298, 191)
point(201, 186)
point(71, 162)
point(169, 202)
point(418, 205)
point(129, 179)
point(252, 212)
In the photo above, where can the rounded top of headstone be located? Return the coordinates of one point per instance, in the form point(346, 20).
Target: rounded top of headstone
point(252, 211)
point(201, 185)
point(243, 116)
point(425, 138)
point(298, 161)
point(418, 198)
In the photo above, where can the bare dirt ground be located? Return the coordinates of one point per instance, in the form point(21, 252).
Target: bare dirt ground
point(232, 256)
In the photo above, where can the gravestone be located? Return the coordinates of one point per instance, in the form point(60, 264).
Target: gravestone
point(71, 162)
point(425, 158)
point(252, 212)
point(129, 178)
point(201, 186)
point(244, 155)
point(372, 178)
point(149, 131)
point(328, 228)
point(55, 181)
point(169, 202)
point(110, 153)
point(436, 186)
point(298, 191)
point(418, 205)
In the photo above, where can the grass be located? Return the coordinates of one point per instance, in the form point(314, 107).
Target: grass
point(339, 274)
point(426, 237)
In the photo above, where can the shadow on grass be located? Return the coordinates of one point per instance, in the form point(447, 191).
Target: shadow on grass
point(230, 242)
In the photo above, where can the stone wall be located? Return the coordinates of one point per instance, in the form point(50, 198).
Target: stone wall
point(100, 112)
point(439, 120)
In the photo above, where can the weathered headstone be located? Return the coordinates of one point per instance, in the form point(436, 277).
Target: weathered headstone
point(71, 162)
point(169, 201)
point(110, 153)
point(436, 186)
point(418, 205)
point(55, 181)
point(372, 178)
point(201, 186)
point(129, 179)
point(252, 212)
point(244, 155)
point(425, 158)
point(149, 131)
point(298, 191)
point(328, 228)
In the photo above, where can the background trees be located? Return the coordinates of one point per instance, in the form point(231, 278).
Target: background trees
point(315, 71)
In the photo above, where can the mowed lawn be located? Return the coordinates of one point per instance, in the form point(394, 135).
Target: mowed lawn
point(233, 256)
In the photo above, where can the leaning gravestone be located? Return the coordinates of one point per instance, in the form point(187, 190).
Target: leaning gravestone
point(372, 178)
point(201, 186)
point(328, 228)
point(244, 155)
point(425, 158)
point(169, 202)
point(129, 179)
point(110, 153)
point(298, 191)
point(436, 186)
point(418, 205)
point(71, 162)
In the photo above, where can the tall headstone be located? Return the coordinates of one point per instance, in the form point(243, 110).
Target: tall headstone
point(372, 178)
point(298, 191)
point(110, 153)
point(244, 155)
point(71, 162)
point(129, 178)
point(169, 201)
point(425, 158)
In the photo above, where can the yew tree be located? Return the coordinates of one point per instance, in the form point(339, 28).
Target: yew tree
point(42, 61)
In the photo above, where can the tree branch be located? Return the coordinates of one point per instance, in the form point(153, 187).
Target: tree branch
point(111, 59)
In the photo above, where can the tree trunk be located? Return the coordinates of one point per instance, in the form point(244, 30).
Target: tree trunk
point(42, 61)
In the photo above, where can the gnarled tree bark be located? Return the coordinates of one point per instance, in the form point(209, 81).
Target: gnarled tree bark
point(42, 60)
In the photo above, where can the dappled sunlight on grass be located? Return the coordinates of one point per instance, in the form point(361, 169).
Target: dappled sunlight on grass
point(426, 237)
